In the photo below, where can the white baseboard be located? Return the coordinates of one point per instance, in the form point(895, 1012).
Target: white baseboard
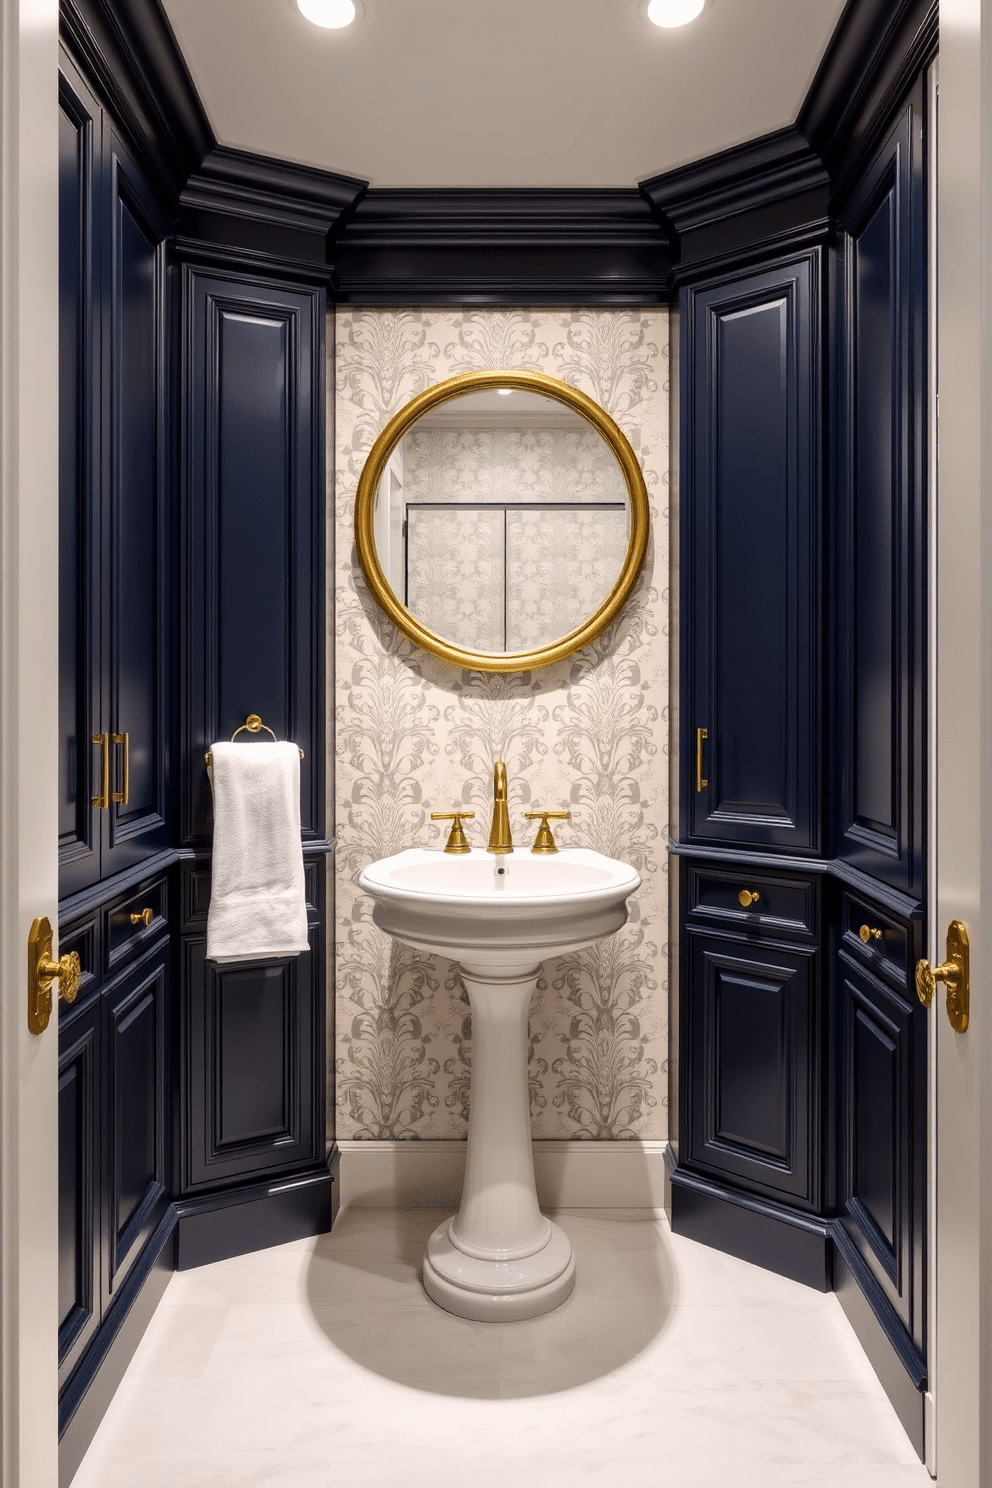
point(570, 1175)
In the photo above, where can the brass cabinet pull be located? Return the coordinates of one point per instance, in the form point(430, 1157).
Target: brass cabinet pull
point(701, 735)
point(545, 842)
point(102, 801)
point(867, 933)
point(142, 917)
point(120, 797)
point(747, 897)
point(457, 841)
point(42, 972)
point(955, 972)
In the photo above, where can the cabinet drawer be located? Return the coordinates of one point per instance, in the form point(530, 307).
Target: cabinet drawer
point(725, 895)
point(131, 923)
point(876, 938)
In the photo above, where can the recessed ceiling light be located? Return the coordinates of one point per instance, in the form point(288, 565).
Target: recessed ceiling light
point(331, 14)
point(504, 392)
point(674, 12)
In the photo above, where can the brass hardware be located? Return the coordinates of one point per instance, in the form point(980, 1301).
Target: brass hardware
point(142, 917)
point(747, 897)
point(120, 797)
point(457, 841)
point(42, 972)
point(701, 734)
point(500, 840)
point(368, 487)
point(956, 972)
point(545, 842)
point(254, 725)
point(103, 799)
point(867, 933)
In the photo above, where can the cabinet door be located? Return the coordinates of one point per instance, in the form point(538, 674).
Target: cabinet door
point(752, 1054)
point(80, 1176)
point(882, 1109)
point(136, 1094)
point(80, 680)
point(136, 572)
point(252, 1092)
point(750, 560)
point(881, 542)
point(253, 518)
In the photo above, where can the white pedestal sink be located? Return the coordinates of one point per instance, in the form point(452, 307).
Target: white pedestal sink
point(499, 917)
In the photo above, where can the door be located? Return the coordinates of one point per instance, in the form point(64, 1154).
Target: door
point(962, 714)
point(29, 824)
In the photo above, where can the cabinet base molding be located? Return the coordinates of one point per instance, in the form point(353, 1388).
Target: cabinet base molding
point(254, 1216)
point(753, 1229)
point(84, 1398)
point(891, 1352)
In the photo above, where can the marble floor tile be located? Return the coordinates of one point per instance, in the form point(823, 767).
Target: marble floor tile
point(671, 1366)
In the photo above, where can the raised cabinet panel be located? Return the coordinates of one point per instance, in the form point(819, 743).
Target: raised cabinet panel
point(751, 1051)
point(880, 442)
point(136, 1081)
point(137, 570)
point(750, 494)
point(882, 1109)
point(254, 522)
point(80, 1170)
point(79, 488)
point(251, 1086)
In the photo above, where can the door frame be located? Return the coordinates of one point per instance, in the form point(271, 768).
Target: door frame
point(961, 704)
point(28, 739)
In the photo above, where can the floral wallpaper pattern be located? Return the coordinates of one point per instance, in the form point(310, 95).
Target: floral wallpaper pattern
point(413, 734)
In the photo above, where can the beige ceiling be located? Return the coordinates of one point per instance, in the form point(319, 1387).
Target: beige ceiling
point(500, 92)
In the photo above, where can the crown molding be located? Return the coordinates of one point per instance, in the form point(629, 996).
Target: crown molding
point(275, 206)
point(877, 50)
point(755, 192)
point(128, 50)
point(502, 246)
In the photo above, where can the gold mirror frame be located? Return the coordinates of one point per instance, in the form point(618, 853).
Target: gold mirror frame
point(368, 486)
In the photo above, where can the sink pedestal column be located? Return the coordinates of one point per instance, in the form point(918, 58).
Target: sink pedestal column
point(499, 1258)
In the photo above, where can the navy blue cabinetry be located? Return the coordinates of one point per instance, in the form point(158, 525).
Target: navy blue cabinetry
point(880, 432)
point(750, 463)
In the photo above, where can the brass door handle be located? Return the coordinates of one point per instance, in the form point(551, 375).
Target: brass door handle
point(120, 797)
point(747, 897)
point(142, 917)
point(102, 801)
point(545, 842)
point(42, 972)
point(867, 933)
point(701, 735)
point(457, 841)
point(955, 972)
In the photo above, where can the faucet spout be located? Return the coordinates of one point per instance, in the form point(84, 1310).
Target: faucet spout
point(500, 840)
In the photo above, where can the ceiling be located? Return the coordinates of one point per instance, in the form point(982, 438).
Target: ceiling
point(491, 93)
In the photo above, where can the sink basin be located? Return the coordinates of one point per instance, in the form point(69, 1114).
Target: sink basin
point(517, 909)
point(499, 917)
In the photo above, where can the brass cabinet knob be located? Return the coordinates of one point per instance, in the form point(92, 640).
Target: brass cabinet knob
point(545, 842)
point(43, 971)
point(142, 917)
point(457, 841)
point(747, 897)
point(955, 972)
point(867, 933)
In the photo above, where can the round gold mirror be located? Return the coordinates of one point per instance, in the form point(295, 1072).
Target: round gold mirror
point(501, 520)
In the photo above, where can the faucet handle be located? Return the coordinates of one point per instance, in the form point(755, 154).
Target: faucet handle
point(544, 842)
point(457, 841)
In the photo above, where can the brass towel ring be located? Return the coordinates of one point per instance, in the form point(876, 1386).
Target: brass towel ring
point(253, 724)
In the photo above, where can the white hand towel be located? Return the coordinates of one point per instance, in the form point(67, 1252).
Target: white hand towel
point(257, 897)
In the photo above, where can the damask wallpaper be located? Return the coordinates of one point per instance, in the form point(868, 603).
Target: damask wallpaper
point(413, 734)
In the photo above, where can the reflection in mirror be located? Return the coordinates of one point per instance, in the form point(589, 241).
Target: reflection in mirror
point(502, 520)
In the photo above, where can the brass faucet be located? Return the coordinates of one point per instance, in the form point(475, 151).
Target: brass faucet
point(500, 840)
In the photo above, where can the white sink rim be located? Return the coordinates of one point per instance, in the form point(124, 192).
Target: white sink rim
point(618, 882)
